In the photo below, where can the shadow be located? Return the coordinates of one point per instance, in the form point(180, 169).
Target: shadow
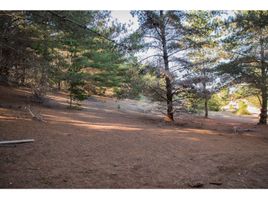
point(97, 147)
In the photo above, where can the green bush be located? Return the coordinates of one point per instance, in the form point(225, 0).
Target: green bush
point(195, 105)
point(232, 108)
point(242, 109)
point(214, 104)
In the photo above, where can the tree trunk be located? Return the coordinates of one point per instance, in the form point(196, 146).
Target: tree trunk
point(169, 100)
point(71, 101)
point(205, 93)
point(206, 107)
point(263, 115)
point(4, 69)
point(23, 75)
point(59, 86)
point(169, 94)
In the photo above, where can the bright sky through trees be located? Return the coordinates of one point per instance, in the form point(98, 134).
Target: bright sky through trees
point(124, 16)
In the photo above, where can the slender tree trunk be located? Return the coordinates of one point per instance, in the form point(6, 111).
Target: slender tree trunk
point(205, 93)
point(4, 68)
point(59, 86)
point(263, 114)
point(206, 107)
point(23, 75)
point(169, 94)
point(71, 100)
point(169, 100)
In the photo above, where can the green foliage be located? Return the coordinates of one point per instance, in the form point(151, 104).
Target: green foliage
point(249, 93)
point(76, 83)
point(51, 47)
point(232, 108)
point(131, 86)
point(215, 103)
point(42, 49)
point(242, 109)
point(245, 60)
point(194, 104)
point(254, 101)
point(77, 93)
point(224, 95)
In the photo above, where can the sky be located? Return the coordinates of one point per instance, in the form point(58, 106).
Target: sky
point(124, 16)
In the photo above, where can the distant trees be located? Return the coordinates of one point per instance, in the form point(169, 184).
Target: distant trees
point(246, 46)
point(202, 79)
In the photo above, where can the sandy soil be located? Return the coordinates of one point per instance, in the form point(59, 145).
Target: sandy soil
point(102, 146)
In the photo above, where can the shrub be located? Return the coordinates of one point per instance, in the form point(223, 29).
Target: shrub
point(232, 108)
point(242, 109)
point(214, 104)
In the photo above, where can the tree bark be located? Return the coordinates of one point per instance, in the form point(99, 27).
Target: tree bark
point(23, 75)
point(205, 93)
point(263, 114)
point(206, 107)
point(169, 94)
point(59, 86)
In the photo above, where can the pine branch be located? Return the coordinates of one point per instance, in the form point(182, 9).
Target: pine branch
point(88, 29)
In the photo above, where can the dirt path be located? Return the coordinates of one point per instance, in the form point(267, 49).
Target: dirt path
point(103, 147)
point(228, 116)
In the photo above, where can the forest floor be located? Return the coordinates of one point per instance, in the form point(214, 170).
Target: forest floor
point(107, 146)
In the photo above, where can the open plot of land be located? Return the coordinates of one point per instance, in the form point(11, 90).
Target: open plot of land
point(102, 146)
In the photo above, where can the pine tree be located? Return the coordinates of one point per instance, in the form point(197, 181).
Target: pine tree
point(246, 46)
point(50, 47)
point(167, 35)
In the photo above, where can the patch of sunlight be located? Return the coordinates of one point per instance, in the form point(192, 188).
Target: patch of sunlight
point(201, 131)
point(102, 126)
point(194, 139)
point(109, 127)
point(7, 118)
point(63, 119)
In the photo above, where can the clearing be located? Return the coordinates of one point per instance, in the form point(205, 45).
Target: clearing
point(102, 146)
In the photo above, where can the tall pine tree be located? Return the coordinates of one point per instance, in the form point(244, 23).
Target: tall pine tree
point(246, 46)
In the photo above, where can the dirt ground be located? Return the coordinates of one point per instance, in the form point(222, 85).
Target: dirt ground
point(104, 146)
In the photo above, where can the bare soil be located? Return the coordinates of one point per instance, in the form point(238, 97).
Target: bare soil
point(104, 146)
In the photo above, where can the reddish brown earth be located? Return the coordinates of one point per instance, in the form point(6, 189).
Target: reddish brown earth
point(103, 147)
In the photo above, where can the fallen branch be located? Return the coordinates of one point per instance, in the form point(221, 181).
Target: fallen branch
point(240, 130)
point(16, 141)
point(215, 183)
point(35, 116)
